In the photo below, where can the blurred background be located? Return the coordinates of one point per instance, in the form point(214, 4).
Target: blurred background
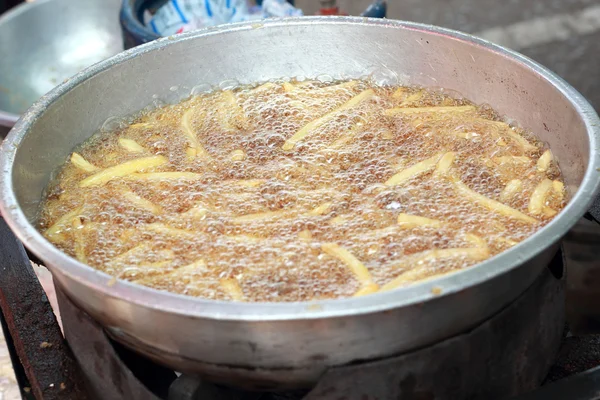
point(563, 35)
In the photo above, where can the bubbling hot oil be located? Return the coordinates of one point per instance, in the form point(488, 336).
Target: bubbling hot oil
point(301, 191)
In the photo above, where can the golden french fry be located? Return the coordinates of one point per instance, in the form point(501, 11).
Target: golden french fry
point(166, 230)
point(196, 212)
point(232, 287)
point(288, 87)
point(337, 220)
point(537, 202)
point(178, 273)
point(124, 169)
point(195, 149)
point(305, 234)
point(444, 164)
point(559, 189)
point(411, 172)
point(311, 126)
point(506, 241)
point(137, 251)
point(512, 160)
point(232, 115)
point(511, 188)
point(358, 269)
point(78, 239)
point(140, 202)
point(163, 176)
point(237, 155)
point(406, 221)
point(490, 204)
point(321, 209)
point(131, 145)
point(264, 86)
point(544, 161)
point(421, 259)
point(140, 125)
point(412, 98)
point(399, 93)
point(269, 215)
point(391, 112)
point(54, 232)
point(250, 182)
point(367, 289)
point(475, 240)
point(81, 163)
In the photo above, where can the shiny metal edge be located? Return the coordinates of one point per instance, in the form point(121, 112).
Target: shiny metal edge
point(9, 119)
point(234, 311)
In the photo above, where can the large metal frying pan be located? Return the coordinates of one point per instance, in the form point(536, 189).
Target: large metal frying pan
point(279, 345)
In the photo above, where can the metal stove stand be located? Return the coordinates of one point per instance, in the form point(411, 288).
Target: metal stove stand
point(510, 353)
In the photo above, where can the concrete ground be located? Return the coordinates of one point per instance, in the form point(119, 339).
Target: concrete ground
point(563, 35)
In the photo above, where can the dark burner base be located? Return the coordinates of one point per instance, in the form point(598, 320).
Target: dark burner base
point(509, 354)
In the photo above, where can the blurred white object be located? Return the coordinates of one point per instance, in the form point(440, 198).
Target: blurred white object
point(280, 8)
point(177, 16)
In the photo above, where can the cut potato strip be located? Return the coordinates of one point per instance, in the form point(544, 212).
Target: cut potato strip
point(412, 98)
point(359, 270)
point(504, 127)
point(475, 240)
point(311, 126)
point(78, 161)
point(537, 202)
point(444, 164)
point(544, 161)
point(140, 125)
point(559, 189)
point(418, 110)
point(321, 209)
point(260, 216)
point(490, 204)
point(411, 172)
point(166, 230)
point(337, 220)
point(131, 145)
point(399, 93)
point(139, 250)
point(237, 155)
point(558, 186)
point(250, 182)
point(264, 86)
point(512, 188)
point(345, 138)
point(232, 115)
point(232, 287)
point(245, 238)
point(406, 221)
point(549, 212)
point(506, 241)
point(79, 245)
point(124, 169)
point(512, 160)
point(140, 202)
point(305, 234)
point(54, 233)
point(421, 271)
point(178, 273)
point(367, 289)
point(164, 176)
point(195, 149)
point(288, 87)
point(196, 212)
